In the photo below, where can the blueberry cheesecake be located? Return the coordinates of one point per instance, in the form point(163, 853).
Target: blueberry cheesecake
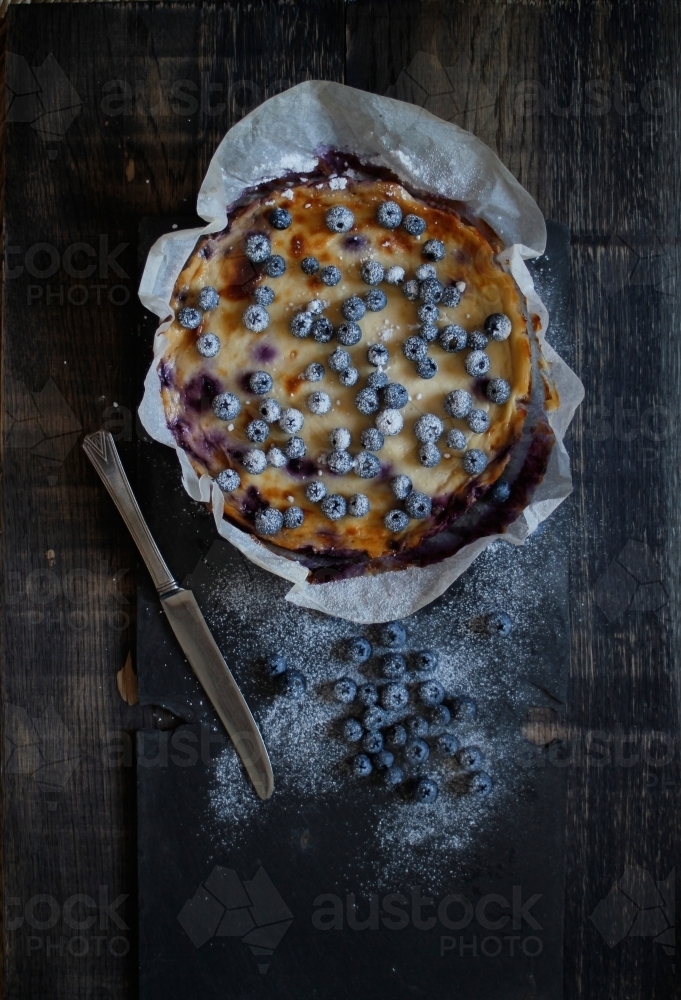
point(352, 367)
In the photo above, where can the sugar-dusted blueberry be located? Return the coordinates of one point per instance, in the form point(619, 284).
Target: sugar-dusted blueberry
point(353, 308)
point(339, 219)
point(255, 462)
point(260, 383)
point(208, 345)
point(456, 440)
point(367, 466)
point(377, 380)
point(268, 521)
point(274, 266)
point(431, 693)
point(414, 225)
point(348, 377)
point(500, 492)
point(430, 291)
point(269, 409)
point(394, 275)
point(416, 751)
point(256, 318)
point(417, 726)
point(367, 693)
point(476, 340)
point(366, 401)
point(322, 330)
point(340, 463)
point(410, 290)
point(448, 744)
point(396, 521)
point(474, 461)
point(428, 332)
point(426, 659)
point(498, 326)
point(464, 709)
point(393, 635)
point(396, 736)
point(257, 247)
point(189, 318)
point(352, 730)
point(372, 439)
point(378, 355)
point(497, 623)
point(349, 334)
point(279, 218)
point(459, 404)
point(314, 372)
point(309, 265)
point(498, 390)
point(389, 422)
point(375, 300)
point(414, 348)
point(300, 324)
point(319, 403)
point(315, 491)
point(293, 517)
point(263, 295)
point(275, 665)
point(372, 272)
point(429, 455)
point(401, 487)
point(433, 250)
point(339, 360)
point(418, 505)
point(358, 505)
point(358, 650)
point(477, 364)
point(440, 715)
point(372, 743)
point(395, 396)
point(426, 791)
point(384, 760)
point(374, 717)
point(393, 664)
point(257, 431)
point(334, 507)
point(295, 447)
point(394, 776)
point(479, 784)
point(478, 421)
point(451, 296)
point(426, 368)
point(330, 275)
point(226, 406)
point(208, 298)
point(425, 271)
point(276, 458)
point(469, 758)
point(428, 313)
point(340, 438)
point(453, 338)
point(228, 480)
point(362, 766)
point(291, 420)
point(394, 697)
point(389, 214)
point(428, 428)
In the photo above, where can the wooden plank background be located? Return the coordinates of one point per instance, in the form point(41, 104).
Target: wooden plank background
point(581, 101)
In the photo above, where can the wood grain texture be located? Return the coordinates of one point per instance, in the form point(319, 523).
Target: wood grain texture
point(156, 87)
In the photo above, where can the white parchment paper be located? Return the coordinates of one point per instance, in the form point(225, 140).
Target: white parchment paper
point(287, 134)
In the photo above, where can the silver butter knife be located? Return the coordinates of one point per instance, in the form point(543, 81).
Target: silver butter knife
point(186, 620)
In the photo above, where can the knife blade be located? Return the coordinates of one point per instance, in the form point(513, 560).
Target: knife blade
point(186, 620)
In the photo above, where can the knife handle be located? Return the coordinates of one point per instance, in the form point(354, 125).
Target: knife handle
point(101, 449)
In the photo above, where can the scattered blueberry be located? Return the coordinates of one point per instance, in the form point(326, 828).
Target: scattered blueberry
point(497, 623)
point(417, 726)
point(319, 403)
point(383, 760)
point(345, 690)
point(394, 275)
point(263, 295)
point(293, 517)
point(373, 741)
point(352, 730)
point(269, 410)
point(431, 693)
point(410, 290)
point(362, 766)
point(257, 431)
point(414, 348)
point(367, 466)
point(349, 334)
point(453, 338)
point(348, 377)
point(374, 718)
point(447, 744)
point(389, 422)
point(260, 383)
point(358, 650)
point(280, 218)
point(189, 318)
point(464, 709)
point(353, 308)
point(314, 372)
point(469, 758)
point(440, 715)
point(394, 697)
point(401, 487)
point(322, 330)
point(228, 480)
point(428, 428)
point(339, 360)
point(226, 406)
point(396, 521)
point(274, 266)
point(358, 505)
point(330, 275)
point(256, 319)
point(275, 665)
point(498, 390)
point(375, 300)
point(456, 440)
point(334, 507)
point(426, 790)
point(430, 291)
point(428, 313)
point(480, 784)
point(498, 326)
point(433, 250)
point(425, 271)
point(414, 225)
point(451, 297)
point(500, 492)
point(295, 447)
point(389, 214)
point(377, 380)
point(426, 368)
point(426, 659)
point(476, 340)
point(366, 401)
point(416, 751)
point(372, 272)
point(393, 665)
point(257, 247)
point(300, 325)
point(394, 776)
point(268, 521)
point(395, 396)
point(378, 355)
point(340, 462)
point(474, 461)
point(208, 345)
point(276, 458)
point(393, 634)
point(208, 298)
point(291, 420)
point(478, 421)
point(418, 505)
point(340, 438)
point(339, 219)
point(309, 265)
point(315, 491)
point(429, 455)
point(372, 439)
point(477, 364)
point(428, 332)
point(396, 736)
point(459, 404)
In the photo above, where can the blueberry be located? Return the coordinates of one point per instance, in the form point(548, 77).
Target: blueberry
point(497, 623)
point(393, 634)
point(291, 420)
point(396, 521)
point(339, 219)
point(295, 448)
point(314, 372)
point(478, 421)
point(293, 517)
point(352, 730)
point(373, 741)
point(456, 440)
point(263, 295)
point(477, 364)
point(309, 265)
point(358, 505)
point(451, 296)
point(226, 406)
point(367, 466)
point(416, 726)
point(498, 390)
point(341, 462)
point(322, 330)
point(268, 521)
point(433, 250)
point(208, 345)
point(374, 718)
point(426, 368)
point(426, 659)
point(362, 766)
point(389, 214)
point(257, 431)
point(395, 396)
point(275, 665)
point(269, 410)
point(396, 736)
point(414, 348)
point(315, 491)
point(372, 439)
point(274, 266)
point(394, 275)
point(453, 338)
point(428, 428)
point(377, 380)
point(425, 271)
point(189, 318)
point(276, 458)
point(330, 275)
point(469, 758)
point(429, 455)
point(372, 272)
point(426, 790)
point(464, 708)
point(500, 492)
point(418, 505)
point(339, 360)
point(440, 715)
point(300, 325)
point(430, 291)
point(428, 332)
point(394, 697)
point(394, 776)
point(260, 383)
point(414, 225)
point(389, 422)
point(340, 438)
point(348, 377)
point(228, 480)
point(358, 650)
point(279, 218)
point(476, 340)
point(353, 308)
point(474, 461)
point(334, 507)
point(378, 355)
point(428, 313)
point(393, 665)
point(208, 298)
point(349, 334)
point(366, 401)
point(319, 403)
point(459, 404)
point(375, 300)
point(416, 751)
point(384, 760)
point(447, 744)
point(431, 693)
point(257, 247)
point(410, 290)
point(498, 326)
point(401, 487)
point(480, 784)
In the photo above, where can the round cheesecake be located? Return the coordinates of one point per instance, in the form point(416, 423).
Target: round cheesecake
point(351, 365)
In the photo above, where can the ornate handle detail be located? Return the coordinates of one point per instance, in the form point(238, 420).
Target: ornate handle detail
point(101, 449)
